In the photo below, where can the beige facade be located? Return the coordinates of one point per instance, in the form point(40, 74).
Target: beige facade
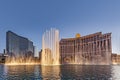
point(91, 49)
point(115, 59)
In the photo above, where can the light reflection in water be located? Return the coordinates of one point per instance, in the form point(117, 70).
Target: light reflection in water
point(63, 72)
point(116, 72)
point(50, 72)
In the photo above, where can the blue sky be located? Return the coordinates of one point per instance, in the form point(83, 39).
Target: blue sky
point(30, 18)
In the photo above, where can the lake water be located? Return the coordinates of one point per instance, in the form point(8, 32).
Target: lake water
point(63, 72)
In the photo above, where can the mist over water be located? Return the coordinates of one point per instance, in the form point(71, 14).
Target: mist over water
point(63, 72)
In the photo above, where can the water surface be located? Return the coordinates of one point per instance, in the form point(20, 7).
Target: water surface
point(63, 72)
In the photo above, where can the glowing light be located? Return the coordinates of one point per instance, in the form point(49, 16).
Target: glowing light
point(15, 63)
point(21, 61)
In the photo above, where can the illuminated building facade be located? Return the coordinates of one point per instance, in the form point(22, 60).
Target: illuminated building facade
point(18, 46)
point(91, 49)
point(115, 59)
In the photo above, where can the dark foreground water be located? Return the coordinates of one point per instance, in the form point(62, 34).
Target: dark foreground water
point(64, 72)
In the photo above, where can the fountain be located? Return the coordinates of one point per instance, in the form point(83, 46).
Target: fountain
point(50, 47)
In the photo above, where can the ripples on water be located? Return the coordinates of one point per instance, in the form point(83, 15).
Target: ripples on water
point(64, 72)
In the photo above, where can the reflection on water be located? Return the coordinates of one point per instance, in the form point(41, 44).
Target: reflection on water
point(64, 72)
point(86, 72)
point(50, 72)
point(116, 72)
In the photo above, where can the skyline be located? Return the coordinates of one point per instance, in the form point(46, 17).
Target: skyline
point(31, 19)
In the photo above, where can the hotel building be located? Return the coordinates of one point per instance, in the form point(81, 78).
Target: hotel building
point(115, 58)
point(92, 49)
point(18, 46)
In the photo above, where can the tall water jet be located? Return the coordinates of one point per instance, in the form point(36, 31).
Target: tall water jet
point(50, 47)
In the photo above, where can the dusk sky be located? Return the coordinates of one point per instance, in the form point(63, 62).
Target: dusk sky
point(31, 18)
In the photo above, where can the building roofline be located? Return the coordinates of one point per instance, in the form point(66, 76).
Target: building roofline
point(17, 35)
point(86, 36)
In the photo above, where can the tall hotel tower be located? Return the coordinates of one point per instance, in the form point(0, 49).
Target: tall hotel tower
point(91, 49)
point(18, 46)
point(50, 47)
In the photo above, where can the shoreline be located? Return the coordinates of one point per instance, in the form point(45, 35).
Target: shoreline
point(56, 65)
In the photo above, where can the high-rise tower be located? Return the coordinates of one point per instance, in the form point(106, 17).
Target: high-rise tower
point(18, 46)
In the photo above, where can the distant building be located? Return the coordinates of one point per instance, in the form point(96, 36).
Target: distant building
point(4, 51)
point(18, 46)
point(3, 57)
point(36, 54)
point(115, 59)
point(90, 49)
point(40, 55)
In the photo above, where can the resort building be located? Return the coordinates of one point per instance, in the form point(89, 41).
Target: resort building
point(18, 46)
point(115, 59)
point(92, 49)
